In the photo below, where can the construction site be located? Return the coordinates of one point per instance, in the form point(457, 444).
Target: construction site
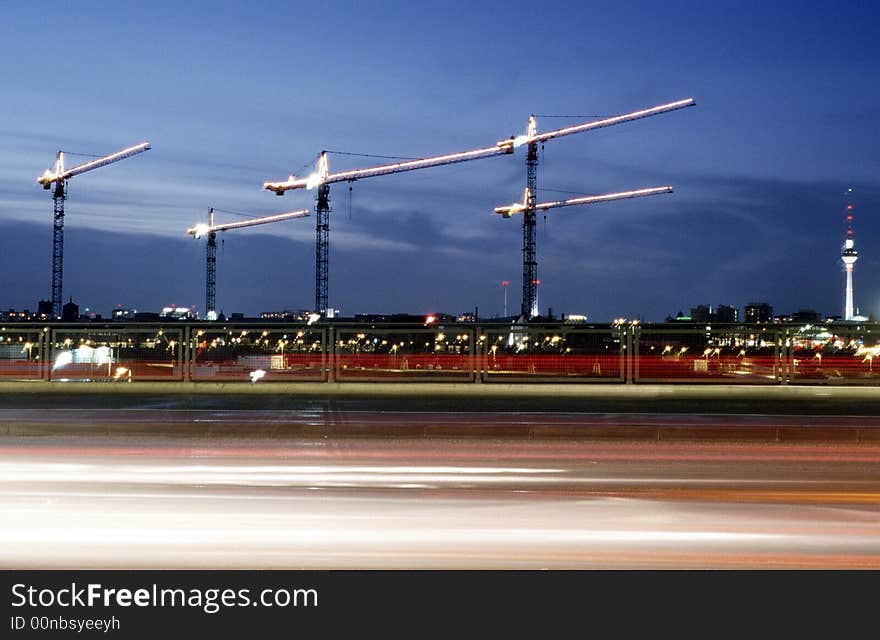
point(56, 179)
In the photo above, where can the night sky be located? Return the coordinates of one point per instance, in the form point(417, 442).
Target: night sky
point(788, 118)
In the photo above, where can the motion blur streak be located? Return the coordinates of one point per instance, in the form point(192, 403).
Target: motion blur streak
point(149, 499)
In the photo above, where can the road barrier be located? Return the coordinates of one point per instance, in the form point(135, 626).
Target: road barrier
point(480, 353)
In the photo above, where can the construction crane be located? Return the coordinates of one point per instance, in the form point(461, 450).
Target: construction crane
point(532, 139)
point(59, 175)
point(211, 230)
point(322, 179)
point(522, 207)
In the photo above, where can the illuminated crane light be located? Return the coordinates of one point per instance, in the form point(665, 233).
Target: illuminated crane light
point(322, 177)
point(519, 207)
point(203, 229)
point(199, 230)
point(533, 136)
point(59, 173)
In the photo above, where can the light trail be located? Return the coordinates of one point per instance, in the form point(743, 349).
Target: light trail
point(150, 498)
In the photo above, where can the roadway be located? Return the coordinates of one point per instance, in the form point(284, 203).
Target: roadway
point(328, 488)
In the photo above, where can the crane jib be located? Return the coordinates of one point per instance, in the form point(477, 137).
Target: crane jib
point(64, 174)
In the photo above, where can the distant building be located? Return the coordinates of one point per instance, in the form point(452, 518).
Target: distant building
point(88, 314)
point(757, 312)
point(726, 313)
point(806, 315)
point(680, 317)
point(701, 313)
point(124, 314)
point(44, 308)
point(178, 313)
point(404, 318)
point(70, 311)
point(11, 315)
point(704, 313)
point(288, 315)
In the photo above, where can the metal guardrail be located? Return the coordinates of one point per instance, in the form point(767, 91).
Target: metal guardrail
point(481, 353)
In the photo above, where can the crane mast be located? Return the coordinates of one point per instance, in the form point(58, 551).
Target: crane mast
point(529, 306)
point(532, 138)
point(59, 176)
point(58, 197)
point(322, 250)
point(211, 269)
point(210, 230)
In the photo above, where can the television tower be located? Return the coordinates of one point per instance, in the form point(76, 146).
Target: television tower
point(849, 255)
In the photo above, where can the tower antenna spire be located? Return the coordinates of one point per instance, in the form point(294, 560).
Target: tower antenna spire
point(849, 255)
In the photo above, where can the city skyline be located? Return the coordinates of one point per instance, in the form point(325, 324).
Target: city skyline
point(783, 126)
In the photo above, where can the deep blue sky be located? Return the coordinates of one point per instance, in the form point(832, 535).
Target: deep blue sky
point(788, 117)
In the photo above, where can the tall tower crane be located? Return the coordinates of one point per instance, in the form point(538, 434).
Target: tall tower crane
point(532, 138)
point(59, 176)
point(322, 179)
point(211, 230)
point(528, 199)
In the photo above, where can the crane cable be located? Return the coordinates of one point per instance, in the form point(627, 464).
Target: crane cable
point(370, 155)
point(84, 155)
point(235, 213)
point(538, 115)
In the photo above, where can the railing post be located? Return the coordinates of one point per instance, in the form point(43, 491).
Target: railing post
point(783, 360)
point(45, 334)
point(476, 357)
point(329, 353)
point(633, 356)
point(50, 352)
point(186, 353)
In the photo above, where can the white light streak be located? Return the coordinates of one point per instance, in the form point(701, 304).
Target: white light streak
point(519, 207)
point(199, 230)
point(203, 229)
point(58, 173)
point(607, 122)
point(316, 179)
point(62, 360)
